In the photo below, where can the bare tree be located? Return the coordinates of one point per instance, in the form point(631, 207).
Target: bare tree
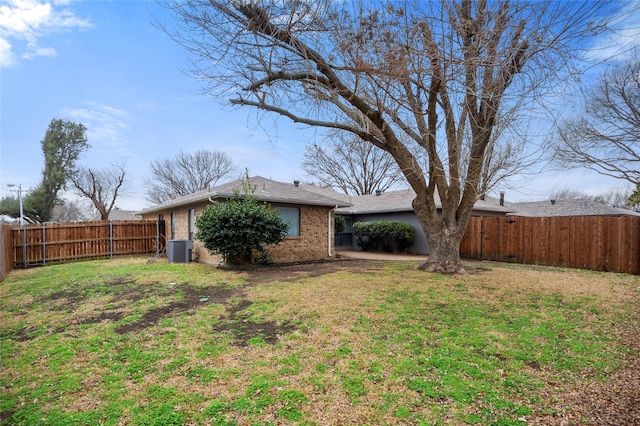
point(607, 137)
point(351, 165)
point(508, 153)
point(405, 77)
point(100, 186)
point(69, 211)
point(570, 194)
point(616, 197)
point(186, 173)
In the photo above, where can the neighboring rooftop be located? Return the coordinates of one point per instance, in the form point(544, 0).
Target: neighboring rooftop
point(566, 208)
point(118, 214)
point(265, 190)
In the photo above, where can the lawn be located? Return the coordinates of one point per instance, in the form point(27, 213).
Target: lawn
point(348, 342)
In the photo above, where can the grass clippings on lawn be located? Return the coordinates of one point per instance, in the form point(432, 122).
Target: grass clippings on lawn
point(346, 342)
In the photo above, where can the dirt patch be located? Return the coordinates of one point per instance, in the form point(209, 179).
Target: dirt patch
point(102, 316)
point(22, 334)
point(192, 298)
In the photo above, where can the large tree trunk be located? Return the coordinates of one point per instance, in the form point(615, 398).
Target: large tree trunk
point(444, 232)
point(444, 250)
point(444, 253)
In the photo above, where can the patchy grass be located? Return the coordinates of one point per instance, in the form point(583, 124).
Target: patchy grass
point(351, 342)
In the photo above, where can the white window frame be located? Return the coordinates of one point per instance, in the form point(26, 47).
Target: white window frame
point(291, 216)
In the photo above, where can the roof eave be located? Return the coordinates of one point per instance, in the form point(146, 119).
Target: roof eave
point(409, 209)
point(283, 200)
point(228, 195)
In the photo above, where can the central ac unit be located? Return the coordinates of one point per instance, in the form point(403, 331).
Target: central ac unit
point(179, 251)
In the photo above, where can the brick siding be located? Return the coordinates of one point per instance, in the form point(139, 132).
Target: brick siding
point(311, 244)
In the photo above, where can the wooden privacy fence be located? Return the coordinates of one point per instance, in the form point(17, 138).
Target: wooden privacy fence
point(43, 243)
point(603, 243)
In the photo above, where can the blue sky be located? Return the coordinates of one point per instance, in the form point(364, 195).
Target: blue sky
point(104, 64)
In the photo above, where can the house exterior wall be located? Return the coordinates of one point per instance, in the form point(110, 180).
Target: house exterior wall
point(311, 244)
point(420, 246)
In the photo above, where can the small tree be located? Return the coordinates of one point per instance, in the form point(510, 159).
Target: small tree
point(239, 227)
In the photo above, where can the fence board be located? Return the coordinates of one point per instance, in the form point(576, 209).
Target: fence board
point(604, 243)
point(39, 244)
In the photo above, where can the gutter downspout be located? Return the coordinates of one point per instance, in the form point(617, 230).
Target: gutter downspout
point(330, 228)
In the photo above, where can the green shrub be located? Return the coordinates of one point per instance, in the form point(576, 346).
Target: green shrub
point(384, 235)
point(240, 227)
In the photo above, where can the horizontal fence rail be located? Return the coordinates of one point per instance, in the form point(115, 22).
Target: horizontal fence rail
point(602, 243)
point(43, 243)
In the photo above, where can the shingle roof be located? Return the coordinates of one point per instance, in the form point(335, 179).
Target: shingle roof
point(398, 201)
point(328, 192)
point(265, 190)
point(566, 208)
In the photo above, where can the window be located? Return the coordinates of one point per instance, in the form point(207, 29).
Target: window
point(173, 225)
point(291, 216)
point(192, 223)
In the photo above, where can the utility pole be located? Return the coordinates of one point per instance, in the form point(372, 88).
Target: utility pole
point(11, 185)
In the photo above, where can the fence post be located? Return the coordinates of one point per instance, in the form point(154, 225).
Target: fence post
point(111, 239)
point(157, 237)
point(24, 246)
point(481, 236)
point(44, 244)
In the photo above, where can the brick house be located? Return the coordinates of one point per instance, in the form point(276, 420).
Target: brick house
point(310, 216)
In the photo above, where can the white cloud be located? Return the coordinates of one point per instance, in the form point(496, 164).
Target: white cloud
point(622, 38)
point(6, 55)
point(41, 51)
point(106, 126)
point(30, 21)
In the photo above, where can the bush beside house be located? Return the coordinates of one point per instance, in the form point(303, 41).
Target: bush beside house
point(390, 236)
point(239, 230)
